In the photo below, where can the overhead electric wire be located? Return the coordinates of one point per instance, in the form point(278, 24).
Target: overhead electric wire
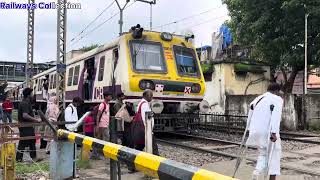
point(88, 25)
point(186, 18)
point(99, 25)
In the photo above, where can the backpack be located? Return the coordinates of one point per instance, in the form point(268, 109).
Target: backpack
point(62, 119)
point(96, 110)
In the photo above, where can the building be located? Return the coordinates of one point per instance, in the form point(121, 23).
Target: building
point(16, 71)
point(229, 70)
point(234, 78)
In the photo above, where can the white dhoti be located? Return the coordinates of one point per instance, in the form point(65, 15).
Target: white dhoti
point(274, 167)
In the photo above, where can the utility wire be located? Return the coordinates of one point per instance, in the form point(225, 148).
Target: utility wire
point(186, 18)
point(98, 26)
point(88, 25)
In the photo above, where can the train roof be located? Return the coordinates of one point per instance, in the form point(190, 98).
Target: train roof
point(83, 56)
point(92, 52)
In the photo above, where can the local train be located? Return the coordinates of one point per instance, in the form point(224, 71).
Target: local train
point(135, 61)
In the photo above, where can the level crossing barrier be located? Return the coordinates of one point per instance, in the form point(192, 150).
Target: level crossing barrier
point(149, 164)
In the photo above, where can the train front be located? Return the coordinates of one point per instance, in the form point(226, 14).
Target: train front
point(169, 66)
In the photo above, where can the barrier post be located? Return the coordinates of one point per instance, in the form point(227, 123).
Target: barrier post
point(113, 139)
point(61, 154)
point(9, 155)
point(148, 132)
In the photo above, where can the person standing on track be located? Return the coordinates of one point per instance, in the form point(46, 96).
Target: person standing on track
point(265, 112)
point(25, 115)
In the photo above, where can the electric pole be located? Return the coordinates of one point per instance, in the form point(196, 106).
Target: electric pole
point(306, 54)
point(61, 51)
point(121, 15)
point(151, 3)
point(30, 40)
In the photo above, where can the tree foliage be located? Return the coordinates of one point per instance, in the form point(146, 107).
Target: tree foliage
point(276, 30)
point(89, 48)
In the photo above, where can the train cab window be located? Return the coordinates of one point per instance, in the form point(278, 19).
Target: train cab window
point(70, 75)
point(186, 61)
point(147, 56)
point(76, 75)
point(101, 68)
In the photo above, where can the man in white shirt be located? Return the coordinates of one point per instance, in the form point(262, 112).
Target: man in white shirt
point(70, 113)
point(265, 114)
point(145, 107)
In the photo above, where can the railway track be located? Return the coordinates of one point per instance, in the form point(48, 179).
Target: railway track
point(290, 136)
point(215, 150)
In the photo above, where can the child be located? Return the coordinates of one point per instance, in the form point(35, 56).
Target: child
point(88, 127)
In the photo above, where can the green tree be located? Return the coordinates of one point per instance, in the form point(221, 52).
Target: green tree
point(88, 48)
point(275, 28)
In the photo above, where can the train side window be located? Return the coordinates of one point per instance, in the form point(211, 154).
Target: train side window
point(101, 68)
point(70, 74)
point(76, 75)
point(115, 58)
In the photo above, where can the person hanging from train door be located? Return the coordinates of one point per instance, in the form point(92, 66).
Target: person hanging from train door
point(88, 80)
point(45, 88)
point(266, 113)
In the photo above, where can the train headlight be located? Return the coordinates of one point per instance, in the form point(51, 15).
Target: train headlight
point(146, 84)
point(137, 31)
point(195, 88)
point(166, 36)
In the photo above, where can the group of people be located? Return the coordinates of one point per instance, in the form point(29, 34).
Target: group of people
point(96, 124)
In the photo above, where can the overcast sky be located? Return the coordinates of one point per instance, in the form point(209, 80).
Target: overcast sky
point(13, 27)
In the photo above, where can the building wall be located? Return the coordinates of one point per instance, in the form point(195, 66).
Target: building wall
point(237, 84)
point(215, 90)
point(313, 111)
point(239, 104)
point(226, 82)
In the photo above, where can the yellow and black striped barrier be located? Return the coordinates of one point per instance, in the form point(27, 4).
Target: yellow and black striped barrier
point(152, 165)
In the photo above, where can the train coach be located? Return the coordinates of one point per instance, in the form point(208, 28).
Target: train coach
point(135, 61)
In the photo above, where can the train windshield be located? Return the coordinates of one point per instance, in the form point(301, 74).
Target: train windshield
point(186, 61)
point(147, 56)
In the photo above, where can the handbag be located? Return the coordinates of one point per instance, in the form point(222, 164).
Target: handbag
point(123, 114)
point(138, 128)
